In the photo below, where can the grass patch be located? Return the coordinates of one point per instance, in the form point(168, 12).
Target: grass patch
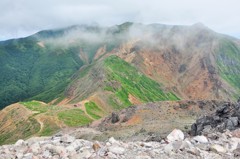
point(49, 129)
point(93, 110)
point(35, 106)
point(133, 82)
point(74, 117)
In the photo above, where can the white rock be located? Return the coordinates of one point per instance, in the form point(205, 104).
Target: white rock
point(60, 150)
point(218, 148)
point(117, 150)
point(108, 144)
point(46, 154)
point(148, 145)
point(232, 145)
point(19, 155)
point(35, 148)
point(70, 148)
point(201, 139)
point(175, 135)
point(77, 144)
point(111, 155)
point(84, 154)
point(19, 142)
point(113, 141)
point(168, 148)
point(67, 139)
point(28, 156)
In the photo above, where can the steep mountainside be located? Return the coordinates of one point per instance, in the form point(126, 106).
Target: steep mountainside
point(191, 61)
point(83, 73)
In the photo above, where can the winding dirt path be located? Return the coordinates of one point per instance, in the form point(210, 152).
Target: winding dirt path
point(83, 108)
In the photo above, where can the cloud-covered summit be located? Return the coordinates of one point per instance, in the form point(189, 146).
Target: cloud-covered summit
point(24, 17)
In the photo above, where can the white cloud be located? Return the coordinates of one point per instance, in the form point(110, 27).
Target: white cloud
point(23, 17)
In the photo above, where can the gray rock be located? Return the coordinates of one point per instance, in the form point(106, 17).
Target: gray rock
point(234, 121)
point(168, 148)
point(35, 148)
point(67, 139)
point(83, 154)
point(46, 154)
point(19, 143)
point(113, 141)
point(218, 148)
point(19, 155)
point(28, 156)
point(116, 150)
point(201, 139)
point(114, 118)
point(175, 135)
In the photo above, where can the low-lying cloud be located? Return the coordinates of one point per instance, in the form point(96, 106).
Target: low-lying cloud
point(24, 17)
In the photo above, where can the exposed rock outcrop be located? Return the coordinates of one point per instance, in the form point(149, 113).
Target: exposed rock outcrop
point(225, 117)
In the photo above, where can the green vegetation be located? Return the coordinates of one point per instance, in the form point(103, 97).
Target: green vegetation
point(74, 117)
point(36, 106)
point(93, 110)
point(31, 71)
point(22, 129)
point(228, 61)
point(132, 82)
point(49, 129)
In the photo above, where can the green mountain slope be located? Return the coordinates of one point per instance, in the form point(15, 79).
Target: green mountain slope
point(117, 80)
point(29, 70)
point(228, 61)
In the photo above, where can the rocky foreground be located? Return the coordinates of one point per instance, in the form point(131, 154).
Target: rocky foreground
point(176, 145)
point(210, 138)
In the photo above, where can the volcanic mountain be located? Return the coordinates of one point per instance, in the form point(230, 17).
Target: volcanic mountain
point(93, 70)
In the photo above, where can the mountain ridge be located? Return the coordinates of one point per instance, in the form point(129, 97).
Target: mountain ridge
point(84, 73)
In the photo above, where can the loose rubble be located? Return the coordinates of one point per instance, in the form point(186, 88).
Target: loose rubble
point(176, 145)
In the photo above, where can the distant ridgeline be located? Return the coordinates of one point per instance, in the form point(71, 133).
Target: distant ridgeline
point(156, 62)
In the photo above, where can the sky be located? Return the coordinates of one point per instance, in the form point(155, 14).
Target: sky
point(20, 18)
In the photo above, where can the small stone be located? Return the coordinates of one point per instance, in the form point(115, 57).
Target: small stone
point(218, 148)
point(111, 155)
point(168, 148)
point(202, 146)
point(84, 154)
point(19, 155)
point(117, 150)
point(70, 148)
point(96, 146)
point(108, 144)
point(19, 142)
point(236, 133)
point(113, 141)
point(35, 148)
point(201, 139)
point(67, 139)
point(28, 156)
point(236, 152)
point(143, 157)
point(148, 145)
point(177, 145)
point(46, 154)
point(194, 151)
point(175, 135)
point(234, 121)
point(76, 144)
